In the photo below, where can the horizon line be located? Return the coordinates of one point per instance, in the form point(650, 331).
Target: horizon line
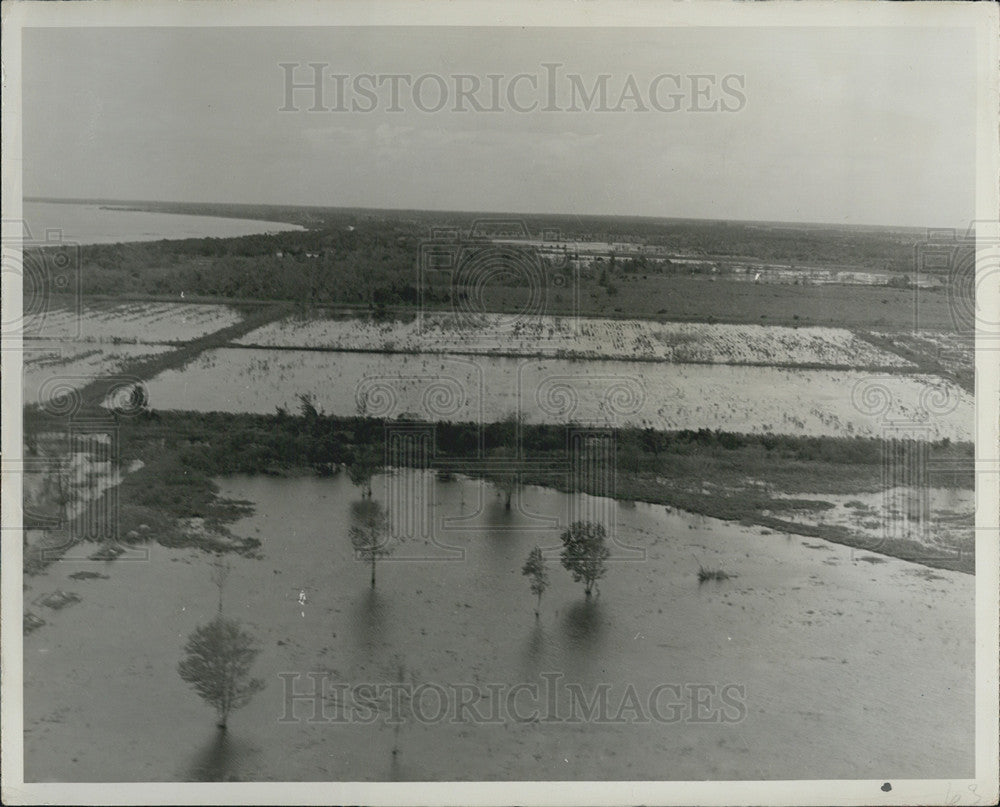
point(398, 210)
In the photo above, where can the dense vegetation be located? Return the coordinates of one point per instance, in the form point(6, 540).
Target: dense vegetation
point(361, 266)
point(364, 257)
point(877, 247)
point(217, 443)
point(732, 476)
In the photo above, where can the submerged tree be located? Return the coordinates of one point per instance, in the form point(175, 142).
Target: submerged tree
point(365, 465)
point(217, 661)
point(534, 568)
point(505, 476)
point(508, 432)
point(585, 553)
point(370, 532)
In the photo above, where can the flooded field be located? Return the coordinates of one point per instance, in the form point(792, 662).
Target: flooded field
point(956, 352)
point(854, 662)
point(130, 322)
point(452, 610)
point(51, 367)
point(942, 520)
point(484, 389)
point(581, 338)
point(67, 347)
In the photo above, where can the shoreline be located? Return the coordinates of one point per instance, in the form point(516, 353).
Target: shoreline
point(175, 485)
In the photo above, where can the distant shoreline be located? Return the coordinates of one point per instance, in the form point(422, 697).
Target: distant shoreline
point(208, 210)
point(256, 210)
point(94, 222)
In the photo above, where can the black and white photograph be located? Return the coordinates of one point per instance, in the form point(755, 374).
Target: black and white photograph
point(480, 403)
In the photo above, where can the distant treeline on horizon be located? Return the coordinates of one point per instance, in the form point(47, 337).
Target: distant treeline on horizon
point(597, 226)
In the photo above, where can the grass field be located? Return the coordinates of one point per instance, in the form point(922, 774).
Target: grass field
point(700, 299)
point(679, 298)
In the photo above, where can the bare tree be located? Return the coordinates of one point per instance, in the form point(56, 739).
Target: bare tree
point(217, 661)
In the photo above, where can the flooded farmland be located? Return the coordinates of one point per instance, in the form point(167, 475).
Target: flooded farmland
point(483, 389)
point(147, 323)
point(828, 705)
point(556, 370)
point(52, 367)
point(66, 347)
point(432, 435)
point(451, 608)
point(578, 337)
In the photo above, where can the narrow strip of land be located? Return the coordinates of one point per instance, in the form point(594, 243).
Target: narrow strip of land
point(96, 392)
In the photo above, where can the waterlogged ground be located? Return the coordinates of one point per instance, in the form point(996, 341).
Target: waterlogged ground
point(581, 338)
point(648, 394)
point(826, 651)
point(146, 323)
point(52, 367)
point(689, 376)
point(942, 520)
point(66, 347)
point(954, 351)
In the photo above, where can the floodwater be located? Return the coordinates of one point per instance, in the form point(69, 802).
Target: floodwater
point(54, 367)
point(579, 337)
point(940, 519)
point(131, 322)
point(659, 395)
point(803, 665)
point(66, 347)
point(52, 222)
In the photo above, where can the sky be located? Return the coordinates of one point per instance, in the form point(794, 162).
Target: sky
point(848, 126)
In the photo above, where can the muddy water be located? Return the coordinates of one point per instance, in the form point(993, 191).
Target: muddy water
point(657, 395)
point(830, 653)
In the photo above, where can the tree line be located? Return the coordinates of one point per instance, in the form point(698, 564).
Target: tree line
point(364, 258)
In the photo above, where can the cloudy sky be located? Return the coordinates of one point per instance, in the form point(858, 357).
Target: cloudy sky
point(857, 126)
